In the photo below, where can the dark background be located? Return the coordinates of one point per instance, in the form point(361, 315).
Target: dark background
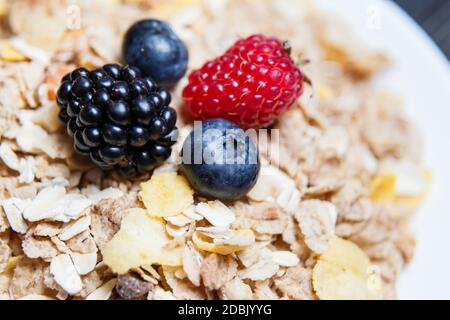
point(434, 17)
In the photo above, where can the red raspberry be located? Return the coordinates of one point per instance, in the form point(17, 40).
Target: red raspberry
point(251, 84)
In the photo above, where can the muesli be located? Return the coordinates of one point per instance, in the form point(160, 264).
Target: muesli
point(328, 217)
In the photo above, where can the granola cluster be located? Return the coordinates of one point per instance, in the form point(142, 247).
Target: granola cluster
point(327, 219)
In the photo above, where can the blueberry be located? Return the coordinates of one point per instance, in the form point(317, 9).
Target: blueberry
point(119, 112)
point(153, 47)
point(114, 134)
point(220, 160)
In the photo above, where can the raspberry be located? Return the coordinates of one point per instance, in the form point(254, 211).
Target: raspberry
point(118, 119)
point(251, 84)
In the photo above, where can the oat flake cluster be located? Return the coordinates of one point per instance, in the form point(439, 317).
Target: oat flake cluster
point(327, 219)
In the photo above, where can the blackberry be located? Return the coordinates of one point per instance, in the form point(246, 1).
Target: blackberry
point(119, 119)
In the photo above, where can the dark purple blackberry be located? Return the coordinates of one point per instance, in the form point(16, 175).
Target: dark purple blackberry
point(118, 119)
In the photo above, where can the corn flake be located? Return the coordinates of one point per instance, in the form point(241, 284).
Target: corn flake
point(342, 273)
point(9, 53)
point(141, 240)
point(383, 188)
point(166, 194)
point(223, 247)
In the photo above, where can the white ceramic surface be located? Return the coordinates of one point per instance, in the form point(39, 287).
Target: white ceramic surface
point(421, 75)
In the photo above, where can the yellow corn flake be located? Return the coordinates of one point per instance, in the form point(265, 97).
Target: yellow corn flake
point(383, 188)
point(9, 53)
point(141, 240)
point(331, 282)
point(403, 206)
point(346, 253)
point(343, 272)
point(166, 194)
point(205, 243)
point(411, 179)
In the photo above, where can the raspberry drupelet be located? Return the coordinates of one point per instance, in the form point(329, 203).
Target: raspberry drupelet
point(251, 84)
